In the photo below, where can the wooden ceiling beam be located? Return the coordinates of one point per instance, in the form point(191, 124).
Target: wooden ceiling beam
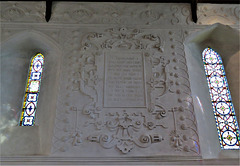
point(194, 10)
point(48, 12)
point(159, 1)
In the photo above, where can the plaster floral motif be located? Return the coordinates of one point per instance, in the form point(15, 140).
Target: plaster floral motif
point(122, 38)
point(126, 128)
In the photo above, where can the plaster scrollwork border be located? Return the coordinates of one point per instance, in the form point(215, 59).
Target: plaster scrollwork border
point(92, 46)
point(88, 82)
point(126, 128)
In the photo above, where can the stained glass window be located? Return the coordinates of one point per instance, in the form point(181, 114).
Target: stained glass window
point(223, 109)
point(30, 99)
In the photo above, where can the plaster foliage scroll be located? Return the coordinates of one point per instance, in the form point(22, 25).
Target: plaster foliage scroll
point(147, 14)
point(208, 14)
point(125, 91)
point(22, 12)
point(110, 13)
point(229, 14)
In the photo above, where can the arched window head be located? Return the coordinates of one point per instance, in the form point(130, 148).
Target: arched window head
point(223, 109)
point(31, 96)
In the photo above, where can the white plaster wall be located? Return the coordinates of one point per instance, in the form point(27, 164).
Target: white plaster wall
point(24, 30)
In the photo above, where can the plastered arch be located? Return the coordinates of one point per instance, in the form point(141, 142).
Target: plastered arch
point(32, 34)
point(16, 52)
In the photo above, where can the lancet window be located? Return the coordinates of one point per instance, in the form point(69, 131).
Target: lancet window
point(32, 90)
point(222, 105)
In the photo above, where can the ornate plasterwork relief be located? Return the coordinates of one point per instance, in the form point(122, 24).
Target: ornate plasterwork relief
point(164, 117)
point(22, 12)
point(119, 13)
point(207, 14)
point(83, 127)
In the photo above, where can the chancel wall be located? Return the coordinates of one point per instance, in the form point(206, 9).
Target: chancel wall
point(122, 81)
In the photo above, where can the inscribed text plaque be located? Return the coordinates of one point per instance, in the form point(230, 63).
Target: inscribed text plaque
point(124, 81)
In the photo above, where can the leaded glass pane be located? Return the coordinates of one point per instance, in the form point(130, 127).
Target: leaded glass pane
point(30, 100)
point(223, 109)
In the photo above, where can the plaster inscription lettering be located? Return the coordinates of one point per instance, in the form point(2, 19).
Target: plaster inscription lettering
point(124, 81)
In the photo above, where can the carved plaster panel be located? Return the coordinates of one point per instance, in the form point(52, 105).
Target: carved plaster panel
point(210, 14)
point(125, 91)
point(207, 14)
point(118, 13)
point(22, 12)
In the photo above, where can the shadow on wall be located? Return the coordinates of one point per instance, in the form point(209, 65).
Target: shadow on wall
point(225, 41)
point(16, 53)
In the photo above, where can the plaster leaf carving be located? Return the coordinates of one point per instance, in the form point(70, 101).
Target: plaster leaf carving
point(21, 11)
point(112, 14)
point(92, 110)
point(151, 16)
point(175, 140)
point(159, 80)
point(88, 79)
point(82, 14)
point(211, 14)
point(126, 127)
point(77, 138)
point(175, 19)
point(122, 38)
point(13, 13)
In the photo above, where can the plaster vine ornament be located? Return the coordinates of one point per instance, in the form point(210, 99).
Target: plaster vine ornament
point(92, 110)
point(151, 16)
point(82, 15)
point(126, 127)
point(77, 138)
point(159, 80)
point(13, 13)
point(122, 38)
point(118, 14)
